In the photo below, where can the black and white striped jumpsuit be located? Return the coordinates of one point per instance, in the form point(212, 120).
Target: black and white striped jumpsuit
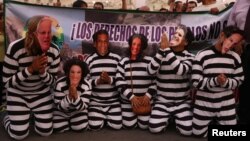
point(28, 93)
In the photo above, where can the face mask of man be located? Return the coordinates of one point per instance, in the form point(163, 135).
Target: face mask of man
point(177, 38)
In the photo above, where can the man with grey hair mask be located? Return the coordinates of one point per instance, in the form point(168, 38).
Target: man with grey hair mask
point(29, 70)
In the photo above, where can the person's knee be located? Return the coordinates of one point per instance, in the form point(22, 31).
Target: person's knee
point(96, 125)
point(79, 128)
point(115, 126)
point(17, 132)
point(44, 129)
point(199, 133)
point(129, 124)
point(47, 133)
point(19, 136)
point(184, 127)
point(143, 126)
point(115, 123)
point(156, 127)
point(185, 132)
point(60, 128)
point(156, 130)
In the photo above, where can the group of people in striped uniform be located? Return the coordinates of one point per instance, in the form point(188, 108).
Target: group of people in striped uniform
point(103, 89)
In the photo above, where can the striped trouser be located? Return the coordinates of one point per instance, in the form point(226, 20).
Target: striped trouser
point(182, 113)
point(76, 121)
point(130, 120)
point(18, 118)
point(213, 106)
point(98, 115)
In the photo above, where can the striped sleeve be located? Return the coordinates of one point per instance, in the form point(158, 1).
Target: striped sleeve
point(180, 67)
point(199, 80)
point(237, 77)
point(155, 63)
point(11, 74)
point(49, 77)
point(61, 99)
point(152, 90)
point(209, 64)
point(121, 80)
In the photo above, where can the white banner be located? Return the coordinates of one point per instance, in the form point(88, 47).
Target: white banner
point(73, 28)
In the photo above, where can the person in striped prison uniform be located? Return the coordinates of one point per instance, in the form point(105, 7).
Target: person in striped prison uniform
point(172, 66)
point(133, 81)
point(216, 72)
point(105, 107)
point(72, 94)
point(30, 68)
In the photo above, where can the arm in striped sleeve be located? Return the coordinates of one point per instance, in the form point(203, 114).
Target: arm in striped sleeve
point(11, 74)
point(49, 77)
point(180, 67)
point(61, 99)
point(155, 63)
point(152, 90)
point(121, 81)
point(199, 80)
point(235, 80)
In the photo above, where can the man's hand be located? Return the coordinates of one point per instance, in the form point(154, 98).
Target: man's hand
point(221, 79)
point(104, 78)
point(44, 60)
point(214, 10)
point(38, 64)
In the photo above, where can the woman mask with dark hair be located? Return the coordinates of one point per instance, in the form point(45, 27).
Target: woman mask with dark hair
point(137, 44)
point(137, 87)
point(71, 97)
